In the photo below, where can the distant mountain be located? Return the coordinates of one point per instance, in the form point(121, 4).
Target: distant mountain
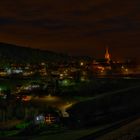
point(14, 53)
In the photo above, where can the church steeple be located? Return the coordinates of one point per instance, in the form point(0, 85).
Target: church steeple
point(107, 55)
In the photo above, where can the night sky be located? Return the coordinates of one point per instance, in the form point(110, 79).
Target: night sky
point(73, 26)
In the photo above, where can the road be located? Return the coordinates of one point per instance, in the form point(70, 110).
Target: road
point(130, 131)
point(111, 132)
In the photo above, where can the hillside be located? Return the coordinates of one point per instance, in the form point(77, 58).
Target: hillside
point(14, 53)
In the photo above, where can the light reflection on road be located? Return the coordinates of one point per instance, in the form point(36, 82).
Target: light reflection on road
point(57, 102)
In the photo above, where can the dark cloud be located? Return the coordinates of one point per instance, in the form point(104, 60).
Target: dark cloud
point(7, 21)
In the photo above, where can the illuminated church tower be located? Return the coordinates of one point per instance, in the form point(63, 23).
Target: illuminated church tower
point(107, 55)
